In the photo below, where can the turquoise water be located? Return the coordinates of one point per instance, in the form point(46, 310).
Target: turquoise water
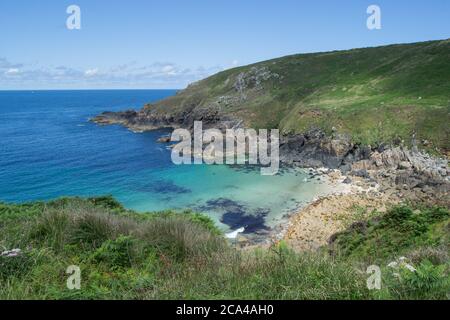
point(49, 149)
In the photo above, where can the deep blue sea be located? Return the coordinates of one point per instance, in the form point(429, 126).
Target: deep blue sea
point(49, 149)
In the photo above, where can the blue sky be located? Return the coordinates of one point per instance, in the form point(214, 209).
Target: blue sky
point(169, 43)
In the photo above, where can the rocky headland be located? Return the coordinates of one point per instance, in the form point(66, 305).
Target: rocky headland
point(386, 143)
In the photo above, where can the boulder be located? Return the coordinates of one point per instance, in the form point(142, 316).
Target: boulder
point(347, 180)
point(404, 165)
point(360, 173)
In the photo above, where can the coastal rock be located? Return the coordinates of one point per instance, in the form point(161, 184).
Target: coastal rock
point(146, 119)
point(314, 149)
point(347, 180)
point(108, 117)
point(340, 146)
point(362, 165)
point(11, 253)
point(407, 180)
point(360, 173)
point(393, 157)
point(407, 169)
point(404, 165)
point(165, 139)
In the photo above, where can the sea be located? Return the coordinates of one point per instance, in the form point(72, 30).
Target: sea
point(49, 149)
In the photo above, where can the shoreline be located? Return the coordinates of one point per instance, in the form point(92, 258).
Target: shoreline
point(362, 176)
point(309, 226)
point(312, 226)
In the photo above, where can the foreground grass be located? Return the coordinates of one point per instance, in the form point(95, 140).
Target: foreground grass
point(125, 255)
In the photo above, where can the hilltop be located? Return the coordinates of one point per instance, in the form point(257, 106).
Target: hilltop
point(381, 95)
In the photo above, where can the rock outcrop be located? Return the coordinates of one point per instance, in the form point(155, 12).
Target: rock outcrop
point(145, 119)
point(416, 175)
point(409, 173)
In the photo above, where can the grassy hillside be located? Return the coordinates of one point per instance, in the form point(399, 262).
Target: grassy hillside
point(378, 94)
point(125, 255)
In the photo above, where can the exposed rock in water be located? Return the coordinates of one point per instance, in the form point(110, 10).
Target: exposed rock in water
point(108, 117)
point(165, 139)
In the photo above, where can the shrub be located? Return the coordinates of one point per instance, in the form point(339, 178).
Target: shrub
point(393, 234)
point(438, 255)
point(179, 238)
point(118, 253)
point(200, 219)
point(15, 266)
point(107, 202)
point(427, 282)
point(91, 229)
point(427, 278)
point(204, 221)
point(49, 229)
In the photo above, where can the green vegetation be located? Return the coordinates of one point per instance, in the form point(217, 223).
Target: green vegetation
point(395, 233)
point(382, 94)
point(422, 235)
point(169, 255)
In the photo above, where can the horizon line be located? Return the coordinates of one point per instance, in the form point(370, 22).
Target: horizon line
point(106, 89)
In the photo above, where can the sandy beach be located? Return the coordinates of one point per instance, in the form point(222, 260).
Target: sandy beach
point(311, 227)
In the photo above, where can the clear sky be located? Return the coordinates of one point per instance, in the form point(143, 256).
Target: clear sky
point(169, 43)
